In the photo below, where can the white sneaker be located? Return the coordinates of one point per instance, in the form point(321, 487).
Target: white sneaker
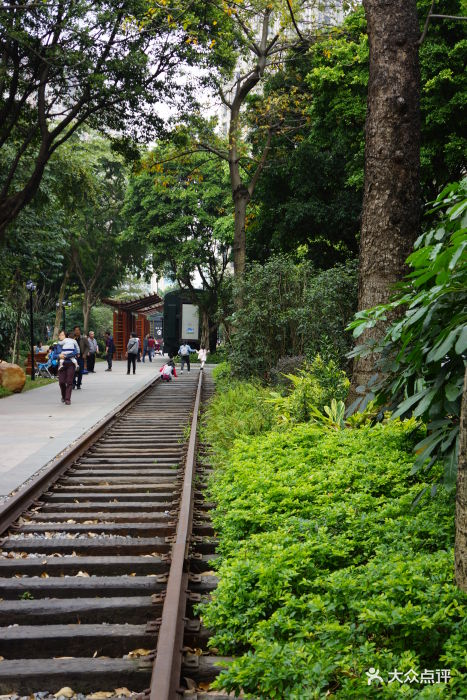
point(181, 371)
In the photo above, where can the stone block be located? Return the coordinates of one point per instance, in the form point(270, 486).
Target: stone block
point(12, 377)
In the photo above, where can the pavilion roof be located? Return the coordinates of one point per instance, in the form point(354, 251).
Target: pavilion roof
point(150, 302)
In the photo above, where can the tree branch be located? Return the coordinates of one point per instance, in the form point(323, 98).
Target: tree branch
point(427, 22)
point(292, 16)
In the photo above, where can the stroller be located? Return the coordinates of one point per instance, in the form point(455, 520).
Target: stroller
point(48, 369)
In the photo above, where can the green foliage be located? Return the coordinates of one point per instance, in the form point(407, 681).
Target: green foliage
point(423, 352)
point(290, 309)
point(325, 570)
point(311, 193)
point(243, 410)
point(314, 386)
point(179, 223)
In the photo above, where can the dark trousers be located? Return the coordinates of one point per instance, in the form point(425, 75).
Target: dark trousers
point(79, 372)
point(65, 380)
point(147, 352)
point(185, 358)
point(108, 357)
point(91, 361)
point(131, 361)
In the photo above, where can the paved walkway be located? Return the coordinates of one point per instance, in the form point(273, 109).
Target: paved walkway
point(36, 426)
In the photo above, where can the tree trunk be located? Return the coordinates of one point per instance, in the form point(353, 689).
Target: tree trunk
point(391, 201)
point(15, 349)
point(59, 311)
point(12, 205)
point(204, 328)
point(241, 198)
point(87, 306)
point(213, 328)
point(461, 498)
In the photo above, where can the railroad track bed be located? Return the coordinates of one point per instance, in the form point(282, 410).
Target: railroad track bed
point(87, 571)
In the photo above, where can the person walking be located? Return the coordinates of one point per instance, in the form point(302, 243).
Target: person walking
point(93, 350)
point(184, 352)
point(83, 345)
point(109, 350)
point(132, 352)
point(202, 356)
point(145, 345)
point(151, 347)
point(67, 373)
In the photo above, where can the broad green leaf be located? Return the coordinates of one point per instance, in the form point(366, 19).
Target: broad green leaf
point(442, 349)
point(461, 344)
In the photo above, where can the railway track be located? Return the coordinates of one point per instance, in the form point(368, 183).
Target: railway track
point(104, 557)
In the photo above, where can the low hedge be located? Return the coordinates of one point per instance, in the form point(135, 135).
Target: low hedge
point(326, 569)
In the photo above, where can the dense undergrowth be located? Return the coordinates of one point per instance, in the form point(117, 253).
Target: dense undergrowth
point(326, 569)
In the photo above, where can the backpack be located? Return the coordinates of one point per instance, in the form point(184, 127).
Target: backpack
point(167, 370)
point(132, 346)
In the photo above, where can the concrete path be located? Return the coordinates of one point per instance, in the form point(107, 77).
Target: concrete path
point(35, 426)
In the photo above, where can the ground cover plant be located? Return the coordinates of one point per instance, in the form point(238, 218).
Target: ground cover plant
point(326, 570)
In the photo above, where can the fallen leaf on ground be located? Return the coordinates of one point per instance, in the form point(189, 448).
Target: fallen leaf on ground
point(135, 653)
point(100, 695)
point(204, 685)
point(44, 574)
point(123, 691)
point(66, 692)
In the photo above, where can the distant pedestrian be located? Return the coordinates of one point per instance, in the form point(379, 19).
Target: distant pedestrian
point(132, 352)
point(145, 346)
point(38, 347)
point(184, 352)
point(138, 354)
point(83, 353)
point(168, 371)
point(202, 356)
point(151, 347)
point(67, 373)
point(93, 350)
point(109, 350)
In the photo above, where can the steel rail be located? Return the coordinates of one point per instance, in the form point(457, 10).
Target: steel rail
point(26, 496)
point(165, 679)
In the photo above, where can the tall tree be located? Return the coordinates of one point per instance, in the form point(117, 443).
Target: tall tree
point(94, 194)
point(391, 200)
point(265, 32)
point(107, 63)
point(179, 226)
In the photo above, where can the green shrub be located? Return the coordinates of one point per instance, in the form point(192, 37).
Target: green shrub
point(313, 387)
point(326, 570)
point(289, 309)
point(241, 408)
